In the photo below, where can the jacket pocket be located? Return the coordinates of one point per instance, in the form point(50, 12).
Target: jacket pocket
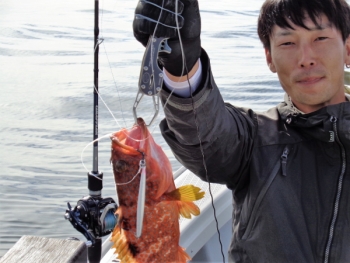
point(280, 165)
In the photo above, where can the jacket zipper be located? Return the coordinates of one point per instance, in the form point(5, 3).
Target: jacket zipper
point(339, 190)
point(263, 191)
point(284, 161)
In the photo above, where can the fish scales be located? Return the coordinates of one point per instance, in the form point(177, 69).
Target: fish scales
point(159, 240)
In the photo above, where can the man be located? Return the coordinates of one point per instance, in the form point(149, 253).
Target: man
point(288, 168)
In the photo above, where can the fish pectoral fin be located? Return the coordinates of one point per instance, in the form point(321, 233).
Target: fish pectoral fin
point(187, 209)
point(184, 197)
point(187, 193)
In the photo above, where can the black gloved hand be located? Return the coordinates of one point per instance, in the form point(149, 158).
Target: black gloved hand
point(146, 17)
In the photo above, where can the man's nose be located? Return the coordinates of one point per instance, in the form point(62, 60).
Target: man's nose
point(306, 56)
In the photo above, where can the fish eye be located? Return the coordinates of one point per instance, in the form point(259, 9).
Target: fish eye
point(120, 166)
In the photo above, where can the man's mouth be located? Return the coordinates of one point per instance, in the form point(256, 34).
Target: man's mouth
point(309, 80)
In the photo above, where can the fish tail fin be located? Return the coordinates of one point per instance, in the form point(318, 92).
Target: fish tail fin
point(184, 196)
point(182, 256)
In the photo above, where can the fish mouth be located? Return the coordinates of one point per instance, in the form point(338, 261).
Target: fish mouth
point(128, 141)
point(119, 145)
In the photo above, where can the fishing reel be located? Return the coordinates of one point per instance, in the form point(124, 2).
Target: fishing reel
point(93, 216)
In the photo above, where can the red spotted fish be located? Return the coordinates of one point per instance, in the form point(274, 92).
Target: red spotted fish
point(149, 203)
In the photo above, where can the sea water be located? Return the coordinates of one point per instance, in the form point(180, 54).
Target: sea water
point(46, 97)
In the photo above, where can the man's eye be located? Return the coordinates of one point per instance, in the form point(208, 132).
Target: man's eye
point(287, 44)
point(321, 38)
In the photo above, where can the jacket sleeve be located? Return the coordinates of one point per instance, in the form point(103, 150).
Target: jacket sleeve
point(224, 133)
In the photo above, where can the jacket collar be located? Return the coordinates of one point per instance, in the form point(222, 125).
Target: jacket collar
point(317, 124)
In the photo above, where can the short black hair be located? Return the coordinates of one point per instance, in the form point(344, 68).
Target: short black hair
point(281, 12)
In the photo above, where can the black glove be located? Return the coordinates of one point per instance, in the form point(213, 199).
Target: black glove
point(146, 17)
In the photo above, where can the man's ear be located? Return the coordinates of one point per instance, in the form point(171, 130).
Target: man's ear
point(347, 51)
point(269, 60)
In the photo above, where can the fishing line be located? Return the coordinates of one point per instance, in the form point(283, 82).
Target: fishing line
point(152, 65)
point(153, 36)
point(198, 135)
point(137, 173)
point(152, 47)
point(101, 41)
point(104, 136)
point(99, 95)
point(87, 145)
point(110, 67)
point(115, 83)
point(184, 67)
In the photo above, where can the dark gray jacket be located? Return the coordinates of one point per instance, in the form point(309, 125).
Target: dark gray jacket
point(288, 172)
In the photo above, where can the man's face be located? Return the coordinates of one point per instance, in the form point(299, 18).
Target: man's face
point(310, 63)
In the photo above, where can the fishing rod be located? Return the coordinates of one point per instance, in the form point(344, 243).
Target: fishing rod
point(93, 216)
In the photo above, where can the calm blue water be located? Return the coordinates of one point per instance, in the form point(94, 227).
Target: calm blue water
point(46, 85)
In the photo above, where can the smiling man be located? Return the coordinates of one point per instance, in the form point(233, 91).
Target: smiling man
point(288, 168)
point(309, 61)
